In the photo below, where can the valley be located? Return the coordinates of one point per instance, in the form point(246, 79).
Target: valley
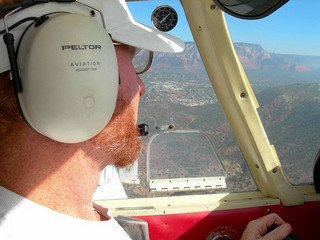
point(287, 88)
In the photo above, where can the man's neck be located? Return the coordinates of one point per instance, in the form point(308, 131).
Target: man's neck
point(62, 177)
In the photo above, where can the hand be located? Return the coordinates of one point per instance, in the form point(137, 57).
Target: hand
point(258, 228)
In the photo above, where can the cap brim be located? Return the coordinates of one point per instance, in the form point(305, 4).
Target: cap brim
point(141, 36)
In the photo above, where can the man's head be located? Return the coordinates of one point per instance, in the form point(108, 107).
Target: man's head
point(121, 130)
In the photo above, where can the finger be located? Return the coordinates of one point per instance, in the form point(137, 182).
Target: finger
point(272, 218)
point(279, 233)
point(262, 224)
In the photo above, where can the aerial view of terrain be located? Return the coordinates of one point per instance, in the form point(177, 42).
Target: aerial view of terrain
point(179, 96)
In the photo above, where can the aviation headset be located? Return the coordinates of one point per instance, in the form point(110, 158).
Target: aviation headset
point(65, 74)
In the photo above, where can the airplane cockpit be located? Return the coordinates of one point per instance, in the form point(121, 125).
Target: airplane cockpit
point(232, 125)
point(229, 127)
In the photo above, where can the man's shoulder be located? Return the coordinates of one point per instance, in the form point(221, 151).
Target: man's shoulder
point(20, 218)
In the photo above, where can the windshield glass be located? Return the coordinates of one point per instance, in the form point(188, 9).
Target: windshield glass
point(281, 56)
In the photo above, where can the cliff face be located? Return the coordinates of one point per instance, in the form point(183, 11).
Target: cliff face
point(252, 56)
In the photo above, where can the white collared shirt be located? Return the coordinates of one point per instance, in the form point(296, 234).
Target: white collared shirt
point(21, 218)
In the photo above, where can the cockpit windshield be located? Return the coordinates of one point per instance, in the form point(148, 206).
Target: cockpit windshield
point(190, 148)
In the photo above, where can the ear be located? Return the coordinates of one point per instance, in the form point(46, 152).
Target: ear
point(69, 75)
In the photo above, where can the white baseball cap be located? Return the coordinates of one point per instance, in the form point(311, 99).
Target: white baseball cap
point(118, 20)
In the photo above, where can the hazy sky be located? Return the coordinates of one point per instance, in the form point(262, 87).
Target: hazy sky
point(293, 29)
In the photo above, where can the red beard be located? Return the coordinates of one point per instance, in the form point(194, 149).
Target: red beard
point(120, 139)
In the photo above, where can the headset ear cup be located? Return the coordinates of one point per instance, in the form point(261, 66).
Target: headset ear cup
point(69, 75)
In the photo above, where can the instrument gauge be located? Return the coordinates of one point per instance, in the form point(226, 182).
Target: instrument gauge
point(164, 18)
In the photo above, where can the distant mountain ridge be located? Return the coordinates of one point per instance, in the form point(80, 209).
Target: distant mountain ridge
point(189, 60)
point(252, 57)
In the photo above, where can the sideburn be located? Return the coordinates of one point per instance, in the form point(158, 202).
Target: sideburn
point(120, 139)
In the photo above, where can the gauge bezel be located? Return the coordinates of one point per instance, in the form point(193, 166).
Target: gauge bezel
point(155, 18)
